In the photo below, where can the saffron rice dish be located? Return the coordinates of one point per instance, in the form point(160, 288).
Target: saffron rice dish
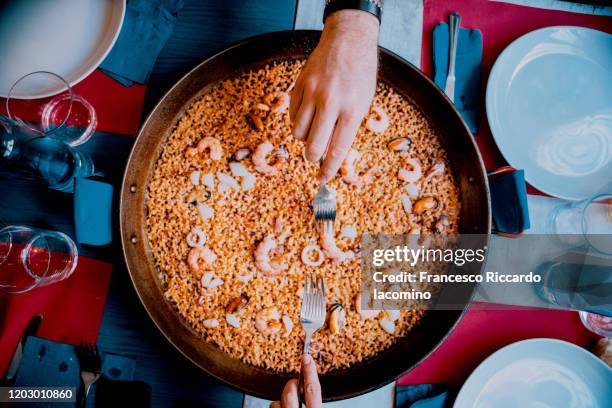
point(230, 220)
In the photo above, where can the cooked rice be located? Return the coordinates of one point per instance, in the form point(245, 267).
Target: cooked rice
point(243, 218)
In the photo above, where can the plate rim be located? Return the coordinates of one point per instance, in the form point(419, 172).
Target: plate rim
point(592, 358)
point(119, 5)
point(493, 74)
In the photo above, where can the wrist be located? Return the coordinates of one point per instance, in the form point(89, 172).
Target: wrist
point(353, 22)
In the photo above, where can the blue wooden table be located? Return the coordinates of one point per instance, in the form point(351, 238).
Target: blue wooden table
point(203, 27)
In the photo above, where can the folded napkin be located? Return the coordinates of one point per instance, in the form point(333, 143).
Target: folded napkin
point(467, 69)
point(46, 363)
point(509, 206)
point(92, 212)
point(422, 396)
point(146, 28)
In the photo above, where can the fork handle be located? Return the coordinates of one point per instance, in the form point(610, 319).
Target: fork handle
point(301, 377)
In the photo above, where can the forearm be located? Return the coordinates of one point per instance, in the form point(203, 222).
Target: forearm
point(354, 22)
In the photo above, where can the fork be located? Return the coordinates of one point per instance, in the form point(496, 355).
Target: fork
point(91, 364)
point(325, 208)
point(312, 317)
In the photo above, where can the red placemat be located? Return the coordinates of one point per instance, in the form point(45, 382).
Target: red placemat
point(118, 107)
point(483, 331)
point(72, 309)
point(500, 24)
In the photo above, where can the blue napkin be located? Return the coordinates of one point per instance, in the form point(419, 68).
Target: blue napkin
point(422, 396)
point(467, 69)
point(146, 28)
point(92, 212)
point(509, 202)
point(46, 363)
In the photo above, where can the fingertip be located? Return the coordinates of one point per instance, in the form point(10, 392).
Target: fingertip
point(312, 155)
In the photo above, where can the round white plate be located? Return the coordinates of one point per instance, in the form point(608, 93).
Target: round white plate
point(67, 37)
point(549, 106)
point(538, 373)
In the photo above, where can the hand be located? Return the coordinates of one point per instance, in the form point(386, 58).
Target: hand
point(335, 88)
point(312, 388)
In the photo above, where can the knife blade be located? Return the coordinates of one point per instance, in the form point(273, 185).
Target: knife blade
point(453, 32)
point(29, 330)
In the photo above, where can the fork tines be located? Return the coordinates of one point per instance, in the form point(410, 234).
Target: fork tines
point(325, 205)
point(89, 357)
point(313, 301)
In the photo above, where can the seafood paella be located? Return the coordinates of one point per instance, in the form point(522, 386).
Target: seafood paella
point(230, 222)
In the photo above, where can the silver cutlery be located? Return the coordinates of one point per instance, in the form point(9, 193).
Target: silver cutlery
point(91, 368)
point(325, 207)
point(312, 316)
point(453, 32)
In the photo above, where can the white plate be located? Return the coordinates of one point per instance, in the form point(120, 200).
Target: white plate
point(549, 106)
point(67, 37)
point(538, 373)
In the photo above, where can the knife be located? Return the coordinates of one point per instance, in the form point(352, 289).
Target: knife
point(30, 330)
point(453, 32)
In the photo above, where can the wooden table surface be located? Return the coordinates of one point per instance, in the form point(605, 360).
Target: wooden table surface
point(203, 27)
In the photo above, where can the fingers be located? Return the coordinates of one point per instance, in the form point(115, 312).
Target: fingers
point(289, 398)
point(320, 133)
point(342, 138)
point(295, 100)
point(275, 404)
point(312, 387)
point(303, 118)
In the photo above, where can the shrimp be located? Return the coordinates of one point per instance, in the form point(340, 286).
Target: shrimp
point(196, 255)
point(267, 321)
point(410, 176)
point(278, 101)
point(261, 163)
point(216, 150)
point(262, 257)
point(328, 244)
point(196, 238)
point(436, 170)
point(347, 169)
point(378, 121)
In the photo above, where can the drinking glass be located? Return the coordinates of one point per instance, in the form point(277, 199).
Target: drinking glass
point(61, 114)
point(43, 157)
point(31, 258)
point(587, 222)
point(598, 324)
